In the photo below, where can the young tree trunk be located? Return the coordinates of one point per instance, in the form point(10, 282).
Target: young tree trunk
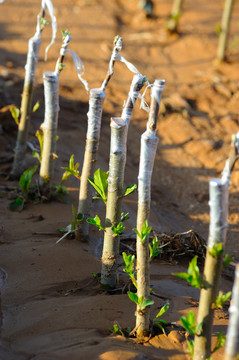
point(96, 102)
point(232, 343)
point(110, 253)
point(174, 16)
point(119, 131)
point(51, 93)
point(149, 142)
point(218, 191)
point(226, 16)
point(26, 106)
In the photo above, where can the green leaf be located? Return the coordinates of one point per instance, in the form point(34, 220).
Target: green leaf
point(130, 189)
point(124, 217)
point(44, 22)
point(146, 303)
point(133, 297)
point(61, 66)
point(36, 106)
point(17, 204)
point(36, 155)
point(221, 299)
point(221, 339)
point(40, 136)
point(96, 221)
point(153, 249)
point(190, 347)
point(118, 230)
point(193, 274)
point(189, 323)
point(216, 250)
point(15, 112)
point(145, 231)
point(227, 261)
point(218, 29)
point(71, 162)
point(163, 310)
point(182, 275)
point(71, 170)
point(26, 178)
point(100, 180)
point(116, 330)
point(65, 33)
point(100, 183)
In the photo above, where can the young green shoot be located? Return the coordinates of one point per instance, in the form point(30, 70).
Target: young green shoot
point(140, 301)
point(221, 339)
point(129, 267)
point(40, 136)
point(145, 231)
point(72, 170)
point(153, 249)
point(160, 323)
point(96, 222)
point(70, 229)
point(221, 299)
point(130, 189)
point(193, 275)
point(15, 112)
point(189, 324)
point(100, 183)
point(216, 250)
point(227, 260)
point(24, 184)
point(116, 330)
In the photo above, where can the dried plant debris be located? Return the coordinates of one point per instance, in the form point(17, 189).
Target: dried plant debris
point(187, 243)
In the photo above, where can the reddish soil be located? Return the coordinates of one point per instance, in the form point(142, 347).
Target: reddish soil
point(51, 306)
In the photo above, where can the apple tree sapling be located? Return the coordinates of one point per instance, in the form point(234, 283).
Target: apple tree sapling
point(114, 198)
point(224, 30)
point(219, 193)
point(119, 130)
point(232, 342)
point(50, 124)
point(96, 102)
point(26, 103)
point(213, 264)
point(172, 22)
point(149, 142)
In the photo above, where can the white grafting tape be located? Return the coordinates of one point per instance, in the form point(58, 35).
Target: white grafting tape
point(133, 95)
point(157, 89)
point(96, 101)
point(226, 173)
point(49, 5)
point(149, 142)
point(32, 59)
point(129, 65)
point(51, 94)
point(218, 203)
point(232, 343)
point(117, 146)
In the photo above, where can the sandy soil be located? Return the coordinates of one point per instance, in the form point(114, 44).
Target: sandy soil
point(51, 306)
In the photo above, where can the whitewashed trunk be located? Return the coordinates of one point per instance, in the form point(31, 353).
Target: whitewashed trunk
point(26, 106)
point(96, 103)
point(51, 93)
point(218, 191)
